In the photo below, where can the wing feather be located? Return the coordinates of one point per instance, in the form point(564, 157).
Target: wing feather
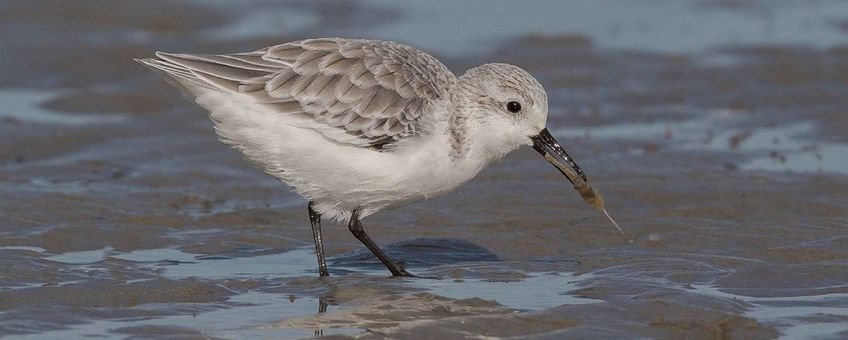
point(253, 61)
point(197, 64)
point(280, 85)
point(361, 92)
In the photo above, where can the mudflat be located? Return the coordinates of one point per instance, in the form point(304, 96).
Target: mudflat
point(122, 216)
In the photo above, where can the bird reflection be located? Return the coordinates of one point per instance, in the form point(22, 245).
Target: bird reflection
point(323, 303)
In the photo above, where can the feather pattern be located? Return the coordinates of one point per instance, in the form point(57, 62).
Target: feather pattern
point(361, 92)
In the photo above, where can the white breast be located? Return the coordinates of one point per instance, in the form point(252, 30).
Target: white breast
point(338, 177)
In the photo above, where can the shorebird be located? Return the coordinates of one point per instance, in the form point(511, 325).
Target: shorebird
point(359, 126)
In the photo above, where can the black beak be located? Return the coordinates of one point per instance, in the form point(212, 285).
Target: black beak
point(549, 148)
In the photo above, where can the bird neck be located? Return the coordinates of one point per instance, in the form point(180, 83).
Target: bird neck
point(477, 142)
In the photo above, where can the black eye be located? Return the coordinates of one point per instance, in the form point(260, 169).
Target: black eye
point(513, 107)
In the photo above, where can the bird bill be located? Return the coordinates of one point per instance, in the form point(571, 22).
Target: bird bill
point(548, 147)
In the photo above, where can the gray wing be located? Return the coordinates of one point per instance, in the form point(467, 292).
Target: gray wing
point(362, 92)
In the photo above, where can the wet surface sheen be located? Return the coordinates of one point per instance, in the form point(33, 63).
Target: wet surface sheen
point(724, 155)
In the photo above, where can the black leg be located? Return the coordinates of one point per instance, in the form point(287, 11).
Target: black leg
point(315, 219)
point(356, 229)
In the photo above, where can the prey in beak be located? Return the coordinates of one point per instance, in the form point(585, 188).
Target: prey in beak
point(548, 147)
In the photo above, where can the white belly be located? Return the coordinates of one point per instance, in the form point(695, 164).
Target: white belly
point(340, 177)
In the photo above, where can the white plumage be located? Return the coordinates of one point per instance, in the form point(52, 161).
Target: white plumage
point(360, 125)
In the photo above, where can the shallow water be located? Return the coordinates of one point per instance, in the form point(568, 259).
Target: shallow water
point(537, 285)
point(801, 316)
point(716, 133)
point(24, 105)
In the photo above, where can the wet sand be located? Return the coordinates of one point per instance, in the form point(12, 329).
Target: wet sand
point(122, 216)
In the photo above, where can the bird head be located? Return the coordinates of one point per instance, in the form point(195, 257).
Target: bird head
point(509, 109)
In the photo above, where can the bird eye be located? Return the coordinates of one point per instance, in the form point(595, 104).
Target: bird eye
point(513, 106)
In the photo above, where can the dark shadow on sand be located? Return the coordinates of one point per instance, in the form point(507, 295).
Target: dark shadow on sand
point(417, 253)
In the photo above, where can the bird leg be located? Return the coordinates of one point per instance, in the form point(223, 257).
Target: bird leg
point(356, 229)
point(315, 219)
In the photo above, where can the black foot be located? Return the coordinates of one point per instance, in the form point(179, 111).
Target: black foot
point(356, 229)
point(404, 273)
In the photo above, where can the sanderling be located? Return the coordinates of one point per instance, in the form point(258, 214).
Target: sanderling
point(359, 126)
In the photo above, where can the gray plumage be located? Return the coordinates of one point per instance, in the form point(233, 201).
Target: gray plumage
point(375, 92)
